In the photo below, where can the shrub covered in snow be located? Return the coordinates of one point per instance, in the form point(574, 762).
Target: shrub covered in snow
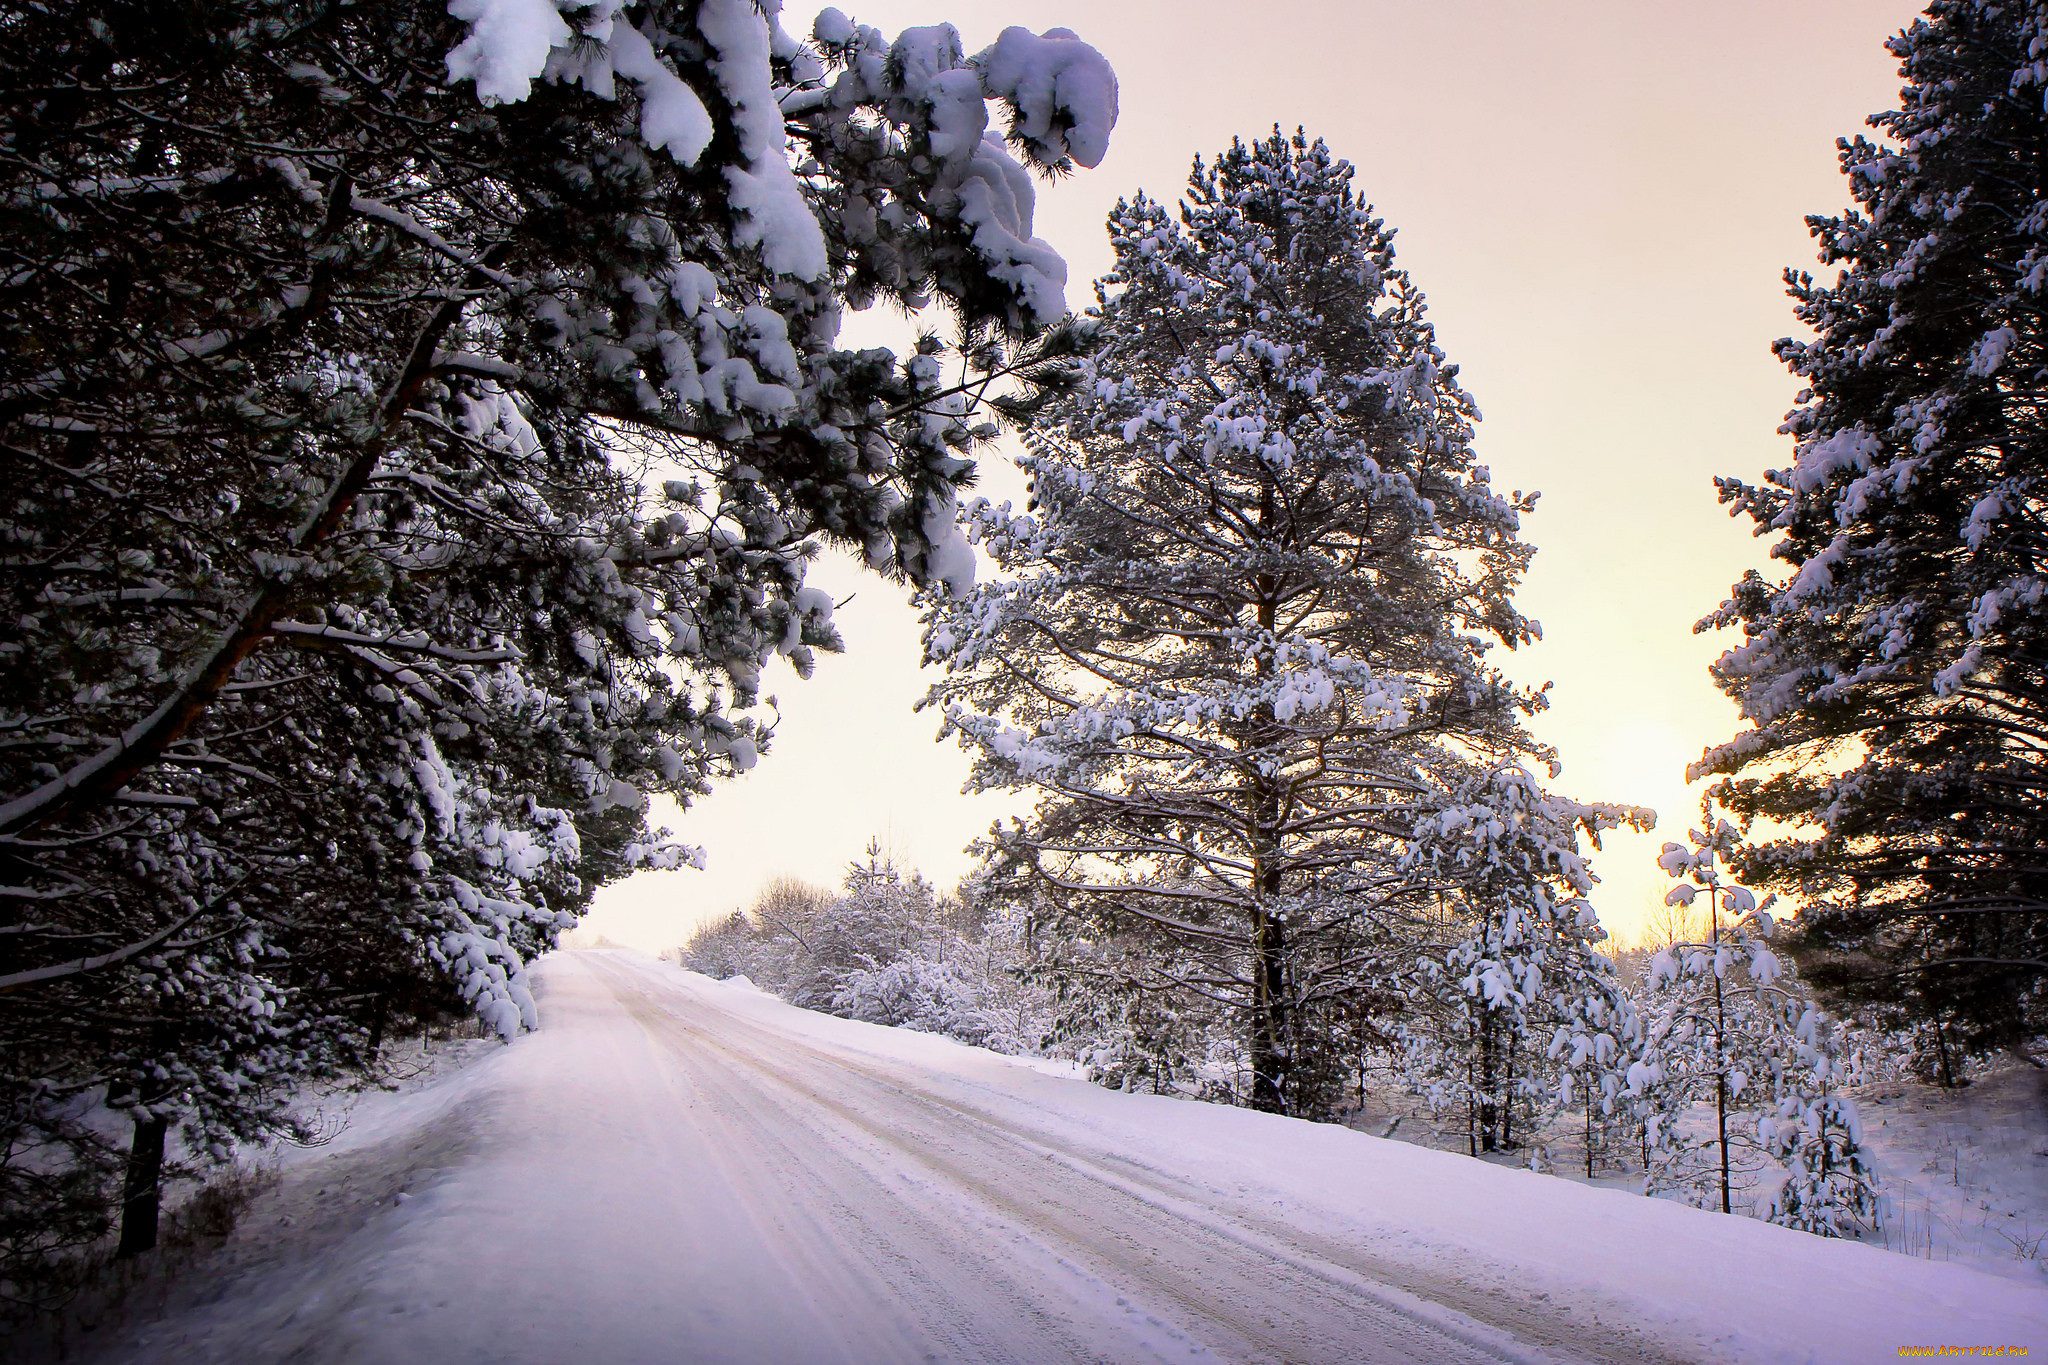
point(885, 950)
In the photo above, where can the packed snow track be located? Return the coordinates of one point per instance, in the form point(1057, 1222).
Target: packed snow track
point(988, 1241)
point(679, 1170)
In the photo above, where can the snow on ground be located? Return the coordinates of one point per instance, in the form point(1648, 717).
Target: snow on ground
point(675, 1169)
point(1965, 1172)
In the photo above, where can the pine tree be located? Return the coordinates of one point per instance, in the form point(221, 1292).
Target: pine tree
point(1238, 646)
point(415, 427)
point(1893, 679)
point(1725, 1031)
point(1523, 1017)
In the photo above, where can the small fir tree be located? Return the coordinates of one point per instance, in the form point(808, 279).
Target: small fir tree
point(1524, 1017)
point(1725, 1031)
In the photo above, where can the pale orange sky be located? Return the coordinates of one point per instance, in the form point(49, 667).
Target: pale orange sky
point(1597, 196)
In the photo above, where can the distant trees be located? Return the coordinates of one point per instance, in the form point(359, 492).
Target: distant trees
point(886, 948)
point(414, 430)
point(1895, 679)
point(1237, 644)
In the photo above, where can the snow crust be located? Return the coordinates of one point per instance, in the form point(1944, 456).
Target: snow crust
point(507, 46)
point(951, 560)
point(997, 200)
point(1770, 1294)
point(1063, 91)
point(671, 115)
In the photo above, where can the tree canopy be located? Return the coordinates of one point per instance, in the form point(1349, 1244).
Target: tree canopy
point(416, 420)
point(1892, 676)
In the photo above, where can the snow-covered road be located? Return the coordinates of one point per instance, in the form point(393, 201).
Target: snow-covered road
point(936, 1228)
point(678, 1170)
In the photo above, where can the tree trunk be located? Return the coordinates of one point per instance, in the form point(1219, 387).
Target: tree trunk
point(1358, 1039)
point(1721, 1129)
point(1271, 1055)
point(1489, 1108)
point(1270, 1059)
point(1720, 1050)
point(142, 1190)
point(1507, 1094)
point(1944, 1075)
point(380, 1020)
point(1472, 1100)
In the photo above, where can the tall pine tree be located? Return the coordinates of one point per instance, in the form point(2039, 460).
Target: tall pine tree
point(1895, 678)
point(1239, 642)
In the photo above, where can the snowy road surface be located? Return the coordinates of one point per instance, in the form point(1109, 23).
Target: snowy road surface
point(676, 1170)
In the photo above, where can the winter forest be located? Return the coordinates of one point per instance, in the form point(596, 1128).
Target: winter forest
point(429, 427)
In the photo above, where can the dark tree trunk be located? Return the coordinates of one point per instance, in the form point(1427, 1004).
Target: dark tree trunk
point(1359, 1039)
point(1270, 1059)
point(1271, 1056)
point(1506, 1103)
point(1472, 1100)
point(380, 1020)
point(1489, 1107)
point(1720, 1055)
point(142, 1191)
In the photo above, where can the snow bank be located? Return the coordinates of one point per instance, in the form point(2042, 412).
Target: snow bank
point(1725, 1288)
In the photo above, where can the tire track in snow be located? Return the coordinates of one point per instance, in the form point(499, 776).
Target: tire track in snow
point(1251, 1289)
point(847, 1230)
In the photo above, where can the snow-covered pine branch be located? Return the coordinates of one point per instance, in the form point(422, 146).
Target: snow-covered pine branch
point(417, 419)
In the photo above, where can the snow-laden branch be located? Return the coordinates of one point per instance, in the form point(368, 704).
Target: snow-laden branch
point(98, 961)
point(308, 633)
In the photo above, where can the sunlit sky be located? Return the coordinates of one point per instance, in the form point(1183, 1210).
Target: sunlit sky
point(1597, 196)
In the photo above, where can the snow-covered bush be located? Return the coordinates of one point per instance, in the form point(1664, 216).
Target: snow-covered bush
point(885, 950)
point(1107, 1015)
point(416, 421)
